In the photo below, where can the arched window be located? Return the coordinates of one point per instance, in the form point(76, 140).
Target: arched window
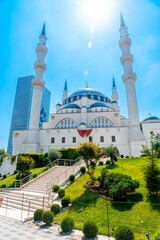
point(67, 123)
point(102, 122)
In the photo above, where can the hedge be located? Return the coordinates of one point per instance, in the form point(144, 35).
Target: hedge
point(39, 159)
point(68, 153)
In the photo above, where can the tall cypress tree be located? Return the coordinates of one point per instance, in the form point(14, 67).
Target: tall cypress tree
point(152, 171)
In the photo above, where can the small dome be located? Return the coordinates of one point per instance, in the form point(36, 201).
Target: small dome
point(99, 104)
point(82, 123)
point(71, 106)
point(83, 107)
point(84, 95)
point(114, 101)
point(58, 104)
point(151, 118)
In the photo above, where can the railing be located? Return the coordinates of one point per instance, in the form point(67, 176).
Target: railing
point(58, 180)
point(47, 199)
point(21, 182)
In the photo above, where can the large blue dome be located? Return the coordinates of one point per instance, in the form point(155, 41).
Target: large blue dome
point(87, 91)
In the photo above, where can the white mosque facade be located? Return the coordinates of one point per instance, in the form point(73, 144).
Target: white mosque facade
point(87, 114)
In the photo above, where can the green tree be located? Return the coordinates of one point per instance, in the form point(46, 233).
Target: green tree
point(111, 152)
point(90, 153)
point(24, 163)
point(53, 154)
point(3, 154)
point(151, 170)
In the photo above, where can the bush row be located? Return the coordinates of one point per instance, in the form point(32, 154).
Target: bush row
point(90, 229)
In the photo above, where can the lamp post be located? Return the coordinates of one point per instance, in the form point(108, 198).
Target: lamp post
point(147, 235)
point(69, 214)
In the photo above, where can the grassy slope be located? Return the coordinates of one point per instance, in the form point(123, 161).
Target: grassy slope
point(141, 216)
point(10, 180)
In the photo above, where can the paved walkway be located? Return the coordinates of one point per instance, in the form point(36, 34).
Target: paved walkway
point(14, 230)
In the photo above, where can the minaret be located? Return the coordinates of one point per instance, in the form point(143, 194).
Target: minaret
point(114, 91)
point(114, 96)
point(38, 85)
point(65, 91)
point(129, 78)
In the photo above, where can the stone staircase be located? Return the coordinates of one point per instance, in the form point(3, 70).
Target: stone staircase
point(36, 193)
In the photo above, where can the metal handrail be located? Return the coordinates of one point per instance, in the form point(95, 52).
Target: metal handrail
point(22, 181)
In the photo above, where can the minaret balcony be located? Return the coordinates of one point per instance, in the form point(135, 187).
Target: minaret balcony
point(39, 83)
point(127, 59)
point(125, 42)
point(41, 49)
point(129, 77)
point(40, 65)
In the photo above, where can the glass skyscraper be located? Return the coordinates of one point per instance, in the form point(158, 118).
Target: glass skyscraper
point(22, 107)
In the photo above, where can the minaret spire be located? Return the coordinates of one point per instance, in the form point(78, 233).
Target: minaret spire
point(114, 84)
point(129, 79)
point(114, 95)
point(65, 91)
point(122, 23)
point(65, 85)
point(43, 30)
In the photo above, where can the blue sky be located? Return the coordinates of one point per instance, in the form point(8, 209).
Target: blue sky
point(68, 29)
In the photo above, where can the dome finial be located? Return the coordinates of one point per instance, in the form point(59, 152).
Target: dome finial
point(86, 84)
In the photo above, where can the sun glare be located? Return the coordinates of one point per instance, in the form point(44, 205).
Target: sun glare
point(96, 12)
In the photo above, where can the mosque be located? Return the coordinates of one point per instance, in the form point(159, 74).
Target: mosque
point(87, 114)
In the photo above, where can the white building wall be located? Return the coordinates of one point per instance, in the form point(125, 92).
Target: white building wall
point(7, 167)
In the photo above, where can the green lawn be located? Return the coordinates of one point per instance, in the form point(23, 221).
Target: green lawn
point(140, 213)
point(10, 181)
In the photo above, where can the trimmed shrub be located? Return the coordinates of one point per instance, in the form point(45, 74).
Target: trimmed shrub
point(72, 177)
point(127, 156)
point(53, 154)
point(67, 224)
point(48, 217)
point(90, 229)
point(65, 201)
point(115, 158)
point(55, 188)
point(100, 163)
point(4, 176)
point(82, 170)
point(156, 236)
point(35, 175)
point(119, 185)
point(61, 193)
point(108, 162)
point(15, 171)
point(124, 233)
point(38, 215)
point(55, 208)
point(122, 156)
point(3, 185)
